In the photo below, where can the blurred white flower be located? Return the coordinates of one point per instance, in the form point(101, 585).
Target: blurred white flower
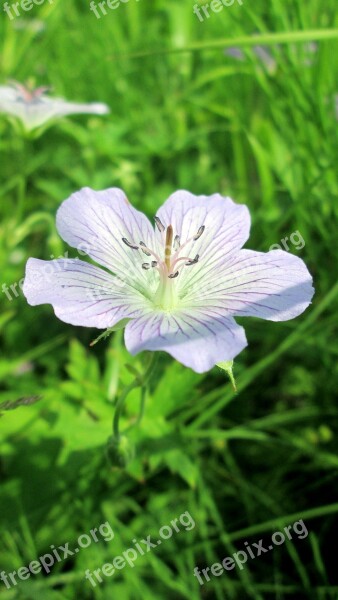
point(34, 108)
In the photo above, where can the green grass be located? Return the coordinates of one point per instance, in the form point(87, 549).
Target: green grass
point(183, 115)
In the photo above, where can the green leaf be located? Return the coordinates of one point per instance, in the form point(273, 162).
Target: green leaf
point(178, 462)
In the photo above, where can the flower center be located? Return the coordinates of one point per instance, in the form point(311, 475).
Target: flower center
point(29, 96)
point(169, 265)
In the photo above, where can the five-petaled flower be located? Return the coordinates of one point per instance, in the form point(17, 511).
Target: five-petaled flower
point(175, 287)
point(34, 109)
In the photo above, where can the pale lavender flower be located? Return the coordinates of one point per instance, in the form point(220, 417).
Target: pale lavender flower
point(261, 53)
point(176, 288)
point(34, 109)
point(265, 57)
point(235, 52)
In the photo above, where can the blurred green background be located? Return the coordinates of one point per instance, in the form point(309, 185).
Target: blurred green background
point(185, 113)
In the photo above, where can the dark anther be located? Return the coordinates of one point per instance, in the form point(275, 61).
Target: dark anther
point(192, 261)
point(143, 250)
point(177, 242)
point(146, 266)
point(173, 275)
point(199, 233)
point(129, 244)
point(154, 263)
point(159, 224)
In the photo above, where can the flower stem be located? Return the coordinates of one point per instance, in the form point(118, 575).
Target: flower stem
point(140, 381)
point(22, 187)
point(22, 180)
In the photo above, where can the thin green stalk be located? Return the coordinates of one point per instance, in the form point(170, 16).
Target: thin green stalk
point(280, 37)
point(120, 405)
point(22, 180)
point(22, 189)
point(141, 381)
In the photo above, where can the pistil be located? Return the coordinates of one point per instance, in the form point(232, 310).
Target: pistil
point(166, 296)
point(168, 246)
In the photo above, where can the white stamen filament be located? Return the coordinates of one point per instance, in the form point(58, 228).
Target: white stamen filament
point(145, 248)
point(192, 239)
point(186, 258)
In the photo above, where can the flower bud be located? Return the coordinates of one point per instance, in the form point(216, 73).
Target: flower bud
point(227, 366)
point(120, 451)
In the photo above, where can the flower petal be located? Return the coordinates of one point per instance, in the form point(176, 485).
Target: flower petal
point(95, 223)
point(31, 115)
point(275, 285)
point(227, 227)
point(198, 339)
point(7, 94)
point(219, 214)
point(46, 109)
point(81, 294)
point(61, 107)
